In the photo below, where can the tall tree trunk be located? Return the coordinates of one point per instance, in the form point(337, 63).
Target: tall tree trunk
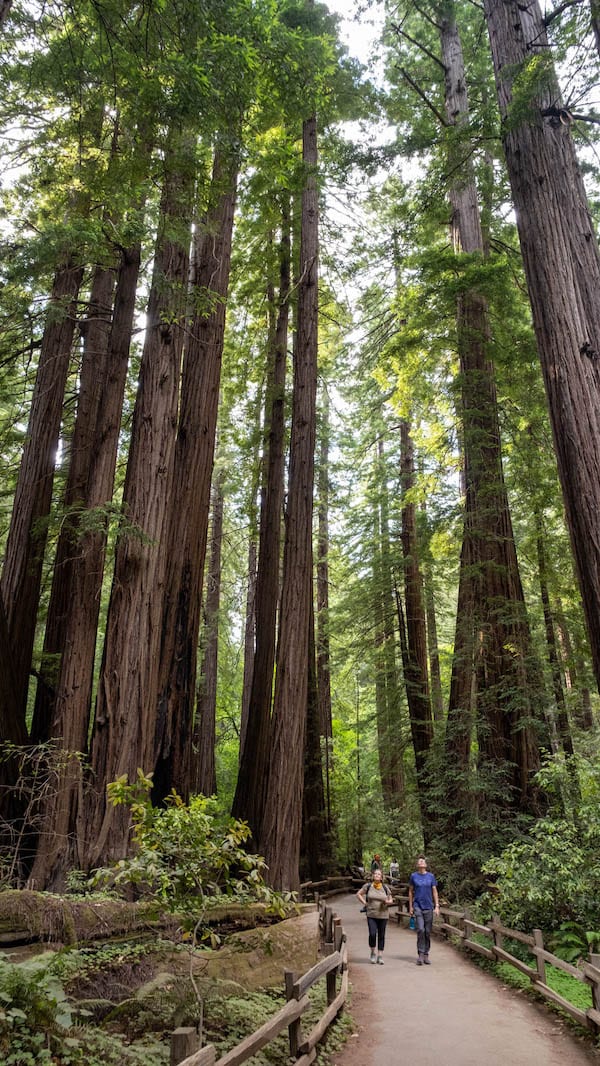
point(95, 329)
point(12, 731)
point(562, 267)
point(562, 718)
point(595, 20)
point(206, 712)
point(389, 730)
point(250, 613)
point(437, 699)
point(124, 727)
point(76, 634)
point(315, 845)
point(415, 671)
point(283, 810)
point(5, 6)
point(506, 689)
point(188, 520)
point(24, 556)
point(249, 640)
point(323, 649)
point(250, 791)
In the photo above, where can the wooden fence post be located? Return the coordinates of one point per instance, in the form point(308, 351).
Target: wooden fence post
point(184, 1042)
point(498, 938)
point(294, 1028)
point(538, 939)
point(595, 961)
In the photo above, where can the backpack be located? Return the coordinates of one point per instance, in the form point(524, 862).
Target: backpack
point(363, 910)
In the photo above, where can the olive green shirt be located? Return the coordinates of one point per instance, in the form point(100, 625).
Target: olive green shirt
point(376, 900)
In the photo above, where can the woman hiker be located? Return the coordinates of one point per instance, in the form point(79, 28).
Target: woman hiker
point(376, 898)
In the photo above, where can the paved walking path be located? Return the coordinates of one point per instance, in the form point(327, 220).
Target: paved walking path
point(448, 1014)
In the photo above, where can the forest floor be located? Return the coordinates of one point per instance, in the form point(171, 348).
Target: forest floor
point(451, 1013)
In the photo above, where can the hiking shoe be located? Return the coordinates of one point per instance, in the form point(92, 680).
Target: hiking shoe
point(426, 961)
point(373, 960)
point(419, 962)
point(380, 961)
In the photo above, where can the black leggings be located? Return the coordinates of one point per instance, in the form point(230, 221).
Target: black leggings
point(377, 932)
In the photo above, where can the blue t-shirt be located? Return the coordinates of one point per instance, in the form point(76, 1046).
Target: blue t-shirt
point(422, 894)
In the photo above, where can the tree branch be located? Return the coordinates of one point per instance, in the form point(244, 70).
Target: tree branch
point(424, 98)
point(559, 10)
point(402, 33)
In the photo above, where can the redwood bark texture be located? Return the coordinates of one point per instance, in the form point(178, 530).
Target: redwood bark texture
point(63, 841)
point(206, 711)
point(23, 560)
point(415, 670)
point(186, 539)
point(283, 811)
point(250, 790)
point(124, 728)
point(493, 645)
point(562, 267)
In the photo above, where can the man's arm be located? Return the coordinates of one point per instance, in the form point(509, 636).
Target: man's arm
point(435, 899)
point(411, 896)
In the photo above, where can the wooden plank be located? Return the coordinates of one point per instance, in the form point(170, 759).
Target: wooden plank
point(560, 964)
point(452, 914)
point(514, 934)
point(480, 949)
point(330, 962)
point(593, 1015)
point(184, 1042)
point(580, 1016)
point(478, 928)
point(205, 1057)
point(592, 972)
point(449, 928)
point(307, 1059)
point(262, 1036)
point(318, 1032)
point(500, 953)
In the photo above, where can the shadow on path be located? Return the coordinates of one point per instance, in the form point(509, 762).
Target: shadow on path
point(448, 1014)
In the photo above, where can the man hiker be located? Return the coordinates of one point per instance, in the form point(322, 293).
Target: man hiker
point(423, 902)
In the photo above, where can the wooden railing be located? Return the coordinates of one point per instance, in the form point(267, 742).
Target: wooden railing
point(302, 1048)
point(458, 924)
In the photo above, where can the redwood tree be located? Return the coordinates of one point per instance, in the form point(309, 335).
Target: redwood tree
point(562, 268)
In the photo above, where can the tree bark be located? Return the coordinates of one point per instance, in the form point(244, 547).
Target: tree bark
point(388, 688)
point(323, 646)
point(415, 672)
point(283, 812)
point(315, 850)
point(5, 6)
point(95, 329)
point(562, 267)
point(124, 728)
point(249, 640)
point(188, 521)
point(75, 635)
point(507, 689)
point(250, 795)
point(206, 712)
point(24, 556)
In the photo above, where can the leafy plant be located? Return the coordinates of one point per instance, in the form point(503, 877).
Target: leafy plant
point(572, 941)
point(187, 858)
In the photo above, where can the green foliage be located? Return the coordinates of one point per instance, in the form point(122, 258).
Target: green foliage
point(572, 941)
point(551, 876)
point(187, 858)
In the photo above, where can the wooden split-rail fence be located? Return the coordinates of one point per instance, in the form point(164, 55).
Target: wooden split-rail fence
point(333, 965)
point(459, 926)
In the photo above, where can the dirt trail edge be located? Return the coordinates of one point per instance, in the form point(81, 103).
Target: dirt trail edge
point(448, 1014)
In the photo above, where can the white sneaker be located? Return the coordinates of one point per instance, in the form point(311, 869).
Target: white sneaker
point(373, 959)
